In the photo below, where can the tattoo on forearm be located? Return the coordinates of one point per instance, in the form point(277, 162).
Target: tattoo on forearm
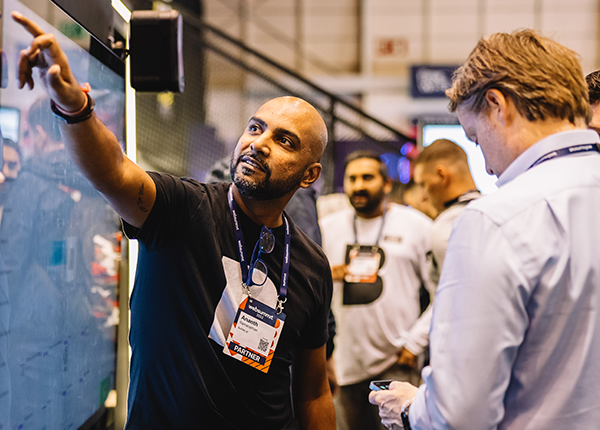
point(140, 202)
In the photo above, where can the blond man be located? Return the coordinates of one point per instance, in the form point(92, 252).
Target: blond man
point(515, 338)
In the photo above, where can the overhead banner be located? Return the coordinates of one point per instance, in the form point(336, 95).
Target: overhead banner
point(431, 81)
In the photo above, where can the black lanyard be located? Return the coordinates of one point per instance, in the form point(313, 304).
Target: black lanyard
point(576, 149)
point(380, 228)
point(239, 236)
point(462, 199)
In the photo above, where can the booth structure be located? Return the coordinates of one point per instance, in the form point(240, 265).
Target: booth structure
point(60, 242)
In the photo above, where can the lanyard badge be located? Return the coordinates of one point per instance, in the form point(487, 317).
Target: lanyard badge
point(363, 262)
point(363, 265)
point(257, 327)
point(254, 334)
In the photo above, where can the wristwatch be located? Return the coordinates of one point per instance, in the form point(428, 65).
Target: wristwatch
point(404, 417)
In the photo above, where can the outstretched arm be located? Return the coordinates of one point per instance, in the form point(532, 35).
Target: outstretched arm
point(91, 146)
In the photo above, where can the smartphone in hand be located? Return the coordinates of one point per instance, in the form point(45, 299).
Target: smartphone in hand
point(380, 385)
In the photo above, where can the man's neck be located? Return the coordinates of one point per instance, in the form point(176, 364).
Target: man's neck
point(456, 190)
point(262, 212)
point(528, 133)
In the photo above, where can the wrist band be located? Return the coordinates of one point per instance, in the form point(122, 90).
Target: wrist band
point(74, 117)
point(404, 414)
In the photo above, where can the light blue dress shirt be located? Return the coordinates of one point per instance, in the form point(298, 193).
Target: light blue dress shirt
point(515, 337)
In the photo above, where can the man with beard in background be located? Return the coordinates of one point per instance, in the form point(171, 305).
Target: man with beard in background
point(229, 292)
point(378, 255)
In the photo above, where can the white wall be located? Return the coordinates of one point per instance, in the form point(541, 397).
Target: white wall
point(366, 47)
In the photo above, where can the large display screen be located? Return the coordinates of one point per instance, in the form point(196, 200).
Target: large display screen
point(485, 182)
point(59, 244)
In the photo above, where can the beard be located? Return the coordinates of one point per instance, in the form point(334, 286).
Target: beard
point(267, 189)
point(373, 200)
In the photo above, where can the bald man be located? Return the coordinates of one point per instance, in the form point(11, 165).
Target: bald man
point(229, 292)
point(442, 171)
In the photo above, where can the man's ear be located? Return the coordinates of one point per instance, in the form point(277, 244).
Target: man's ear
point(497, 105)
point(311, 174)
point(387, 187)
point(443, 174)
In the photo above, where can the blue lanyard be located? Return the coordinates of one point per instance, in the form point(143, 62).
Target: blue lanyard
point(239, 237)
point(577, 149)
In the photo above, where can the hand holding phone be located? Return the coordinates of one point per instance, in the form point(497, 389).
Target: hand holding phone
point(380, 385)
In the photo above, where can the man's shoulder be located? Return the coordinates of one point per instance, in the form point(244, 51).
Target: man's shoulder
point(532, 188)
point(449, 215)
point(169, 183)
point(403, 213)
point(303, 244)
point(503, 204)
point(169, 177)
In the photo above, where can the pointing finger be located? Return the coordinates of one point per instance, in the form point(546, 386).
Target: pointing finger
point(30, 26)
point(33, 57)
point(46, 54)
point(24, 70)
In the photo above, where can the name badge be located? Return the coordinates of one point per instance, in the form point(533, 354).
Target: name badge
point(254, 334)
point(363, 265)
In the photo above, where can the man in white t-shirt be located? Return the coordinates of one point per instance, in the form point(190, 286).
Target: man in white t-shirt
point(378, 255)
point(442, 171)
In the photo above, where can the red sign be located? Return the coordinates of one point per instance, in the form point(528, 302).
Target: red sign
point(392, 47)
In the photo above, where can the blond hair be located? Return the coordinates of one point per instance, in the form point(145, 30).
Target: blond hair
point(442, 149)
point(543, 78)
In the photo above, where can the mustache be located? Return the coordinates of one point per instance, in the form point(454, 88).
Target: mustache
point(257, 157)
point(360, 194)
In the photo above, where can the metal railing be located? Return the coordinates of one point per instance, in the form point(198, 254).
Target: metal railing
point(226, 81)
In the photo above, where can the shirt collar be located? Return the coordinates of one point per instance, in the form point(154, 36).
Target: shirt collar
point(544, 146)
point(465, 197)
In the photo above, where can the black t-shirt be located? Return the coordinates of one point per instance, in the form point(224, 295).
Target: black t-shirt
point(177, 371)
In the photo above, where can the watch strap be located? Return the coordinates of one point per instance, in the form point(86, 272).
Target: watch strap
point(83, 115)
point(404, 417)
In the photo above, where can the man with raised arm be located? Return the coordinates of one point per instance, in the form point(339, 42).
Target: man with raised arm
point(213, 339)
point(515, 333)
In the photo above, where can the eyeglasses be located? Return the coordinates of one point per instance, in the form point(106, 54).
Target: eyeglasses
point(257, 274)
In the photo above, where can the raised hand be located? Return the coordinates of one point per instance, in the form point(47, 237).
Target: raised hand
point(46, 54)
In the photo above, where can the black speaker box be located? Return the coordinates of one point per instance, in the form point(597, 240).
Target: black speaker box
point(155, 50)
